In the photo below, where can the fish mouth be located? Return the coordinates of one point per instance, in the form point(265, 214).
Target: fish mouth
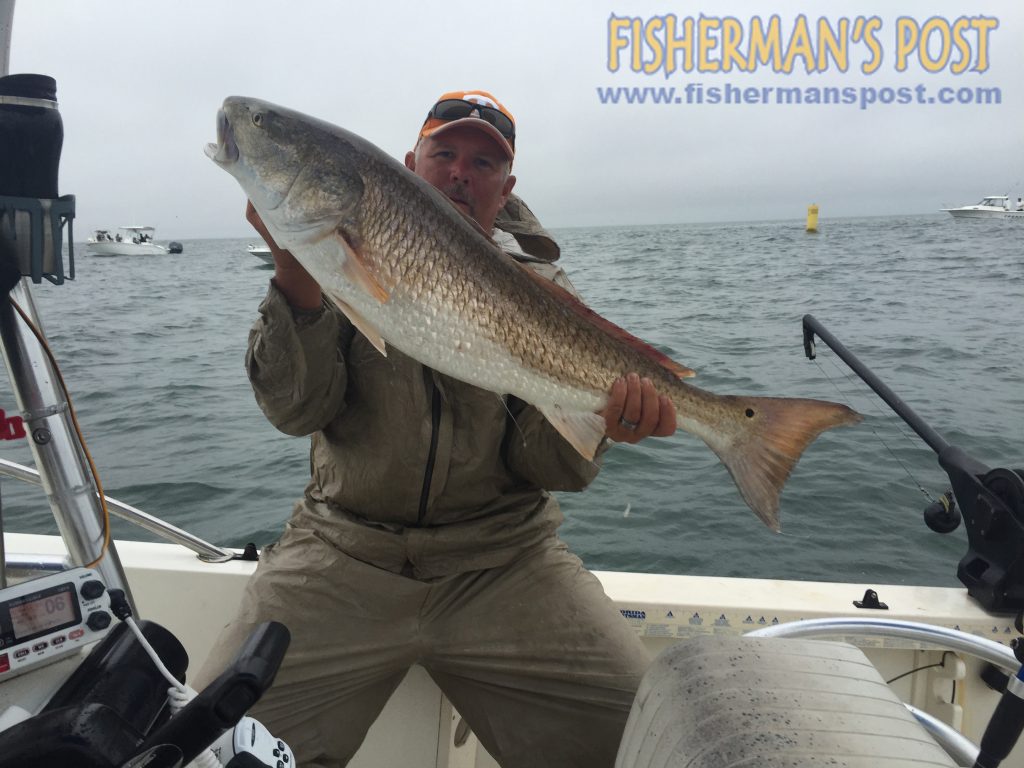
point(225, 151)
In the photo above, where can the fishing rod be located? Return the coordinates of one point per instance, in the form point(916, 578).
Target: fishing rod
point(992, 500)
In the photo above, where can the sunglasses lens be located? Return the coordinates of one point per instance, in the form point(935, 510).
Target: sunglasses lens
point(498, 120)
point(456, 109)
point(453, 109)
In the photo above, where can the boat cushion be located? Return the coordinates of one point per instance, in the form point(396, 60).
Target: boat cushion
point(726, 702)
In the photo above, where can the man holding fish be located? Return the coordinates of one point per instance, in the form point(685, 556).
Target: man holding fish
point(448, 386)
point(427, 534)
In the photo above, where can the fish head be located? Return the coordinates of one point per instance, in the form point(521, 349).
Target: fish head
point(296, 170)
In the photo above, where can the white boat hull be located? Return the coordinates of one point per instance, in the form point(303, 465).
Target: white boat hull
point(983, 213)
point(108, 248)
point(261, 252)
point(417, 729)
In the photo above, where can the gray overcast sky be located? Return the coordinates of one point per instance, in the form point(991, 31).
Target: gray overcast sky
point(140, 81)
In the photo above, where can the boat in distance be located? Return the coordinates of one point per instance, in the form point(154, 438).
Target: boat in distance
point(261, 251)
point(991, 207)
point(129, 241)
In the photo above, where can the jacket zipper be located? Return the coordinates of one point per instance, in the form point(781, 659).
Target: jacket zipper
point(435, 428)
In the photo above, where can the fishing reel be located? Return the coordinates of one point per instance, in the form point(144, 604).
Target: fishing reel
point(995, 515)
point(991, 501)
point(943, 515)
point(993, 512)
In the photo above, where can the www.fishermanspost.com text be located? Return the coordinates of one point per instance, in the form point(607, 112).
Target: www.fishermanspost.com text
point(697, 94)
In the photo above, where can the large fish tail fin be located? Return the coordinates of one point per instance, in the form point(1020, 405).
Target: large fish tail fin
point(771, 435)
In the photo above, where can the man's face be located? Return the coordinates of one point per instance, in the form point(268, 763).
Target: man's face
point(469, 167)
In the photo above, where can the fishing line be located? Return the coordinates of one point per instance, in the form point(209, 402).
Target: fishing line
point(885, 414)
point(78, 430)
point(898, 424)
point(504, 402)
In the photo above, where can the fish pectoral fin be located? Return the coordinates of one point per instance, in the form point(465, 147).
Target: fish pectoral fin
point(356, 272)
point(583, 431)
point(363, 325)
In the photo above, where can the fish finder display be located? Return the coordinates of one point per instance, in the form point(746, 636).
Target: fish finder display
point(38, 613)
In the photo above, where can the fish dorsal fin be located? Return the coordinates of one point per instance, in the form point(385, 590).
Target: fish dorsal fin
point(364, 326)
point(571, 302)
point(355, 270)
point(583, 431)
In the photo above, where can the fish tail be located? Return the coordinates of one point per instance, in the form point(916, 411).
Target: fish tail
point(769, 436)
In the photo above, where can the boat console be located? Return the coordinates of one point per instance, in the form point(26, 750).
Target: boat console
point(45, 619)
point(113, 709)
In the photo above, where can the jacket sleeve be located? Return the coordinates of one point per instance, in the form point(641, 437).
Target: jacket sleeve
point(538, 454)
point(295, 364)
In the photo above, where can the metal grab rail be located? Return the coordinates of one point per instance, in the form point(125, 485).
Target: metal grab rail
point(959, 747)
point(953, 639)
point(207, 552)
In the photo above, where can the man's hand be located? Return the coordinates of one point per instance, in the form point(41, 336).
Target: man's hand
point(635, 401)
point(292, 279)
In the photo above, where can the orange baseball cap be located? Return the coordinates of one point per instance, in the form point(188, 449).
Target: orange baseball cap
point(476, 109)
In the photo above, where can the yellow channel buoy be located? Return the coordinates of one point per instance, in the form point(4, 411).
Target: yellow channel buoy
point(812, 218)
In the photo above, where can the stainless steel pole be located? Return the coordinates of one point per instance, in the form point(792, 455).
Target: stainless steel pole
point(59, 454)
point(6, 22)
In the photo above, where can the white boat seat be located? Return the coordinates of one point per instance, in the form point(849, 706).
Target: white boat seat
point(727, 702)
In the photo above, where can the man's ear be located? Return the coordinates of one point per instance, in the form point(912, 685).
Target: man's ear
point(410, 160)
point(507, 189)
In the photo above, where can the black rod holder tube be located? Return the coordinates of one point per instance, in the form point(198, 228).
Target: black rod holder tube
point(930, 436)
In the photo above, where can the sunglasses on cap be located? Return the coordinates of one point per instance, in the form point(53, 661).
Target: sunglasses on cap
point(457, 109)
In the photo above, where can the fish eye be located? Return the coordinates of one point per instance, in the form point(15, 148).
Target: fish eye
point(257, 119)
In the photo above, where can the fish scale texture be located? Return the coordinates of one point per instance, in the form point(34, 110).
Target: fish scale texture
point(732, 702)
point(479, 296)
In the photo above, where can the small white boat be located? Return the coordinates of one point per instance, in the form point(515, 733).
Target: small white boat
point(261, 251)
point(130, 241)
point(991, 207)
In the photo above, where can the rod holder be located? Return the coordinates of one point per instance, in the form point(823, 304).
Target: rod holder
point(32, 236)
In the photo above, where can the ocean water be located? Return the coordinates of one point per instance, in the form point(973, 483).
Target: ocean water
point(152, 350)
